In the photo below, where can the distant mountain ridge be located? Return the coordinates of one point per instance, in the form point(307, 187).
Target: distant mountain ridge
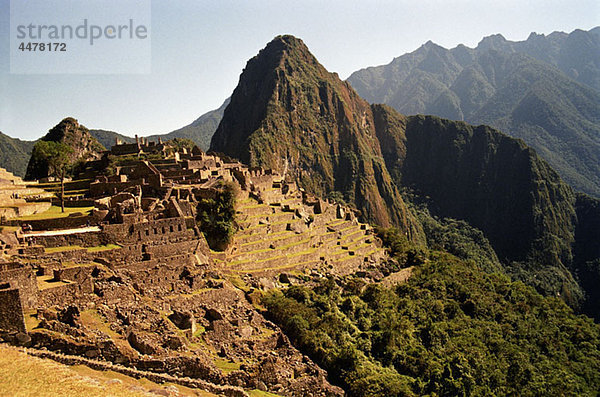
point(544, 90)
point(14, 154)
point(200, 131)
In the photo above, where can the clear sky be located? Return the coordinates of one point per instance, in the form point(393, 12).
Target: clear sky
point(199, 49)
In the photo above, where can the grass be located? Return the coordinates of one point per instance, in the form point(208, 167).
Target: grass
point(93, 319)
point(260, 393)
point(54, 212)
point(199, 331)
point(97, 248)
point(23, 375)
point(226, 366)
point(31, 320)
point(103, 248)
point(276, 268)
point(47, 282)
point(52, 250)
point(239, 283)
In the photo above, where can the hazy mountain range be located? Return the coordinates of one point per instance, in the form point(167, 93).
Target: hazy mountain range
point(544, 90)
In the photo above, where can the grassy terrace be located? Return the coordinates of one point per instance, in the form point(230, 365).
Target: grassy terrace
point(55, 212)
point(276, 268)
point(283, 256)
point(97, 248)
point(103, 248)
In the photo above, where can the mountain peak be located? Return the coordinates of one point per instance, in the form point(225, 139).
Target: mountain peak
point(287, 40)
point(289, 114)
point(535, 36)
point(491, 42)
point(285, 53)
point(69, 132)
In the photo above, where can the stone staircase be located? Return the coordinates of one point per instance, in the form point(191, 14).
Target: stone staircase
point(290, 237)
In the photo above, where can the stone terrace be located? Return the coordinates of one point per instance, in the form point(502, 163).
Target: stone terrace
point(290, 236)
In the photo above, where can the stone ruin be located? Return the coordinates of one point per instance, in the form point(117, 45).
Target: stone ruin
point(134, 282)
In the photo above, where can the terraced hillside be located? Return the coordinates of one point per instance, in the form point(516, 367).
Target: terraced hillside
point(288, 236)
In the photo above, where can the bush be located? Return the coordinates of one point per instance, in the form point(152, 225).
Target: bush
point(216, 217)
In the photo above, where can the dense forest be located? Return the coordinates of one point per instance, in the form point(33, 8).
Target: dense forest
point(451, 329)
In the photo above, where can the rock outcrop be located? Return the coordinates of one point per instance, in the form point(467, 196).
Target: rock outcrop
point(70, 132)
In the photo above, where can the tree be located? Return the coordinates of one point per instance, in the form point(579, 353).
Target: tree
point(216, 217)
point(181, 143)
point(58, 158)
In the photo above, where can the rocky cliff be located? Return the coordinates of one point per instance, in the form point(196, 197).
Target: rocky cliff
point(70, 132)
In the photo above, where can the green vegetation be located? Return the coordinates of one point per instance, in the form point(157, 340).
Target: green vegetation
point(216, 217)
point(226, 366)
point(57, 157)
point(451, 329)
point(14, 154)
point(50, 250)
point(100, 248)
point(182, 143)
point(458, 238)
point(56, 212)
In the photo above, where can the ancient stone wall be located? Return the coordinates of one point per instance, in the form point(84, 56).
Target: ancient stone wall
point(81, 275)
point(99, 189)
point(23, 279)
point(90, 239)
point(63, 294)
point(11, 311)
point(68, 222)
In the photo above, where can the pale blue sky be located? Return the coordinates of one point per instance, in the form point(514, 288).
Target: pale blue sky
point(199, 49)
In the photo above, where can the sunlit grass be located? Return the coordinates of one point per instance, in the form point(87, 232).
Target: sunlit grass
point(103, 247)
point(55, 212)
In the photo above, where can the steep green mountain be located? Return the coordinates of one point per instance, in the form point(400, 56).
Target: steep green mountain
point(107, 138)
point(70, 132)
point(587, 251)
point(516, 87)
point(14, 154)
point(494, 182)
point(290, 114)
